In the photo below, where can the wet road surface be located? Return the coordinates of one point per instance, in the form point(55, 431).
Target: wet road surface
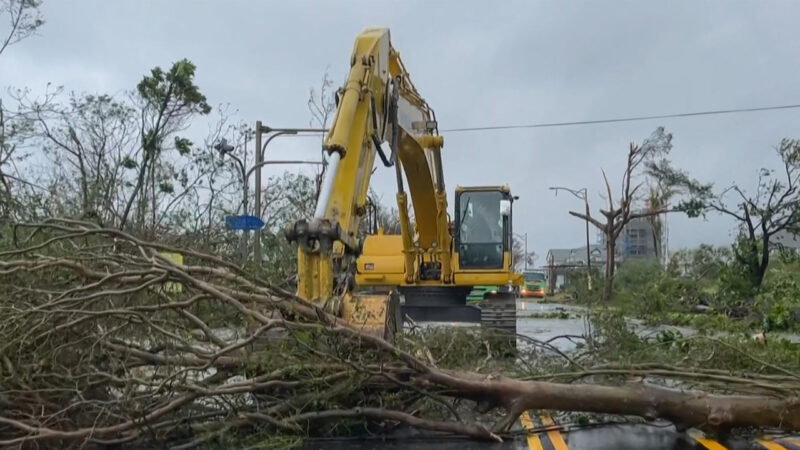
point(606, 437)
point(658, 436)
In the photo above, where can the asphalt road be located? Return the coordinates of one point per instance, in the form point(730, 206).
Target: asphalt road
point(612, 437)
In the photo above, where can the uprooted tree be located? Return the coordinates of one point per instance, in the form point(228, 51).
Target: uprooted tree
point(322, 106)
point(104, 340)
point(619, 214)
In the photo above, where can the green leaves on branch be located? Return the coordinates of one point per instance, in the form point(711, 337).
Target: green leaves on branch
point(183, 145)
point(129, 163)
point(166, 187)
point(789, 151)
point(693, 207)
point(696, 194)
point(167, 102)
point(175, 87)
point(22, 18)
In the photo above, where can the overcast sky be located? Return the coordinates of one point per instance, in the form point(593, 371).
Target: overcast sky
point(477, 64)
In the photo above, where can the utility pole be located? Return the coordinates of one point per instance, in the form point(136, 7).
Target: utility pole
point(245, 200)
point(525, 237)
point(588, 253)
point(258, 159)
point(526, 251)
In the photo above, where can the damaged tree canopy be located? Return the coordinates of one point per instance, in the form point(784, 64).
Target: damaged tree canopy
point(104, 339)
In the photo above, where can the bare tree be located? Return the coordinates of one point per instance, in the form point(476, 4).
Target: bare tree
point(19, 19)
point(90, 141)
point(13, 129)
point(322, 105)
point(22, 19)
point(619, 214)
point(219, 185)
point(23, 191)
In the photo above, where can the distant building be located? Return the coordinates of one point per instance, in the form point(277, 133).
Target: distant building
point(561, 261)
point(635, 241)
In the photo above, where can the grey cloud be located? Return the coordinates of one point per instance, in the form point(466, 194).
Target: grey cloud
point(477, 63)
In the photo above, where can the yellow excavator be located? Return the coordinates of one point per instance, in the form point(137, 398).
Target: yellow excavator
point(425, 273)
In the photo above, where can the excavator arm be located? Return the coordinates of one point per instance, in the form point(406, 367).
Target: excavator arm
point(379, 112)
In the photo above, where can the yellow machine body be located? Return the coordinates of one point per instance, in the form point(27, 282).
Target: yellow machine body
point(379, 111)
point(382, 264)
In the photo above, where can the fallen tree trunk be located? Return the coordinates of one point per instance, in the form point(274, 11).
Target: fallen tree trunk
point(99, 346)
point(684, 408)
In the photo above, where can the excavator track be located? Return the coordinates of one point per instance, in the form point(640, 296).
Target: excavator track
point(499, 311)
point(438, 304)
point(496, 311)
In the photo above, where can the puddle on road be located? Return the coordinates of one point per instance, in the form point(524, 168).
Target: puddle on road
point(544, 329)
point(547, 328)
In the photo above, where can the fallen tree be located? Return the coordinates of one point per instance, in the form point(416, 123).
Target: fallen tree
point(104, 340)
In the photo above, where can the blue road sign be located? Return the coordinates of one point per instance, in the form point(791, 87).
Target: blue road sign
point(244, 222)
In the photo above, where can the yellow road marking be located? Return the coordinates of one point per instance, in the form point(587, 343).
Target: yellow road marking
point(534, 443)
point(555, 436)
point(710, 444)
point(770, 445)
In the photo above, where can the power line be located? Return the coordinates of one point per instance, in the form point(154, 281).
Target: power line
point(623, 119)
point(593, 122)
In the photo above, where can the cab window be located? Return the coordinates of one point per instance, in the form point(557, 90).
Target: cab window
point(480, 243)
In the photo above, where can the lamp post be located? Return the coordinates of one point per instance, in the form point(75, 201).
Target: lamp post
point(260, 150)
point(226, 149)
point(581, 194)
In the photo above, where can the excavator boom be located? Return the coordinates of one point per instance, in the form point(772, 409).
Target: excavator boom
point(379, 112)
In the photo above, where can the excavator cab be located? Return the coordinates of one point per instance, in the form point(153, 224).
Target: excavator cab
point(482, 247)
point(483, 228)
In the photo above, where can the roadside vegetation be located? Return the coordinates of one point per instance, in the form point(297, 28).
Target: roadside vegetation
point(704, 288)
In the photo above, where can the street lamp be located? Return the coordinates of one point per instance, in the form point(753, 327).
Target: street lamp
point(581, 194)
point(224, 148)
point(260, 150)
